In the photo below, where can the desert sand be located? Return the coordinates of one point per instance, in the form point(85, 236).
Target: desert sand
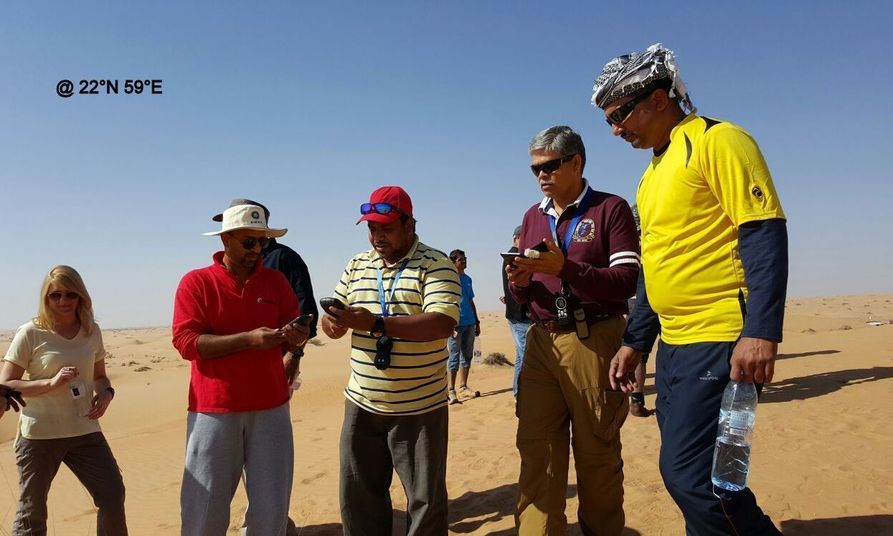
point(822, 455)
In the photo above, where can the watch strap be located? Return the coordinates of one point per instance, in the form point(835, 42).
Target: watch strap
point(378, 326)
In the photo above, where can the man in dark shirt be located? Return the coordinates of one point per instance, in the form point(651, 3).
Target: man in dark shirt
point(516, 314)
point(577, 292)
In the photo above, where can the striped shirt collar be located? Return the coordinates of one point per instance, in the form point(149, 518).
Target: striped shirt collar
point(375, 257)
point(546, 206)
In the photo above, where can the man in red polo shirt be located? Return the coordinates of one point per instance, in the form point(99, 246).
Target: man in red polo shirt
point(576, 292)
point(231, 320)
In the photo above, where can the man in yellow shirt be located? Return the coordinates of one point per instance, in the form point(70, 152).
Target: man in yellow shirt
point(713, 280)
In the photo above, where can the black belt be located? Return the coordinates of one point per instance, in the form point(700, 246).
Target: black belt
point(553, 326)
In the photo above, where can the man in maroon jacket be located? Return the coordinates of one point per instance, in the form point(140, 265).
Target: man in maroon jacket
point(232, 322)
point(576, 291)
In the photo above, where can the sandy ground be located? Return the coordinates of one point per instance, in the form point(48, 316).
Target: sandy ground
point(822, 461)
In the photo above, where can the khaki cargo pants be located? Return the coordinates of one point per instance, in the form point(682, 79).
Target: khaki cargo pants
point(564, 388)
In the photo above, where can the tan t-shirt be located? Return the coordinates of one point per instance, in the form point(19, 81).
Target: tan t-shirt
point(42, 353)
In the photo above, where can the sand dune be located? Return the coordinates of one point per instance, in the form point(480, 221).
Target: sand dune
point(821, 454)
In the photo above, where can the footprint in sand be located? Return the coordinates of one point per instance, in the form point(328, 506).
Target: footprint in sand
point(314, 478)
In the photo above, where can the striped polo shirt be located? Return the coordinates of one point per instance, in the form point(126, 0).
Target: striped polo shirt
point(415, 382)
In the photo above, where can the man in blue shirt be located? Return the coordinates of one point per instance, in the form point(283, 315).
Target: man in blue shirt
point(461, 344)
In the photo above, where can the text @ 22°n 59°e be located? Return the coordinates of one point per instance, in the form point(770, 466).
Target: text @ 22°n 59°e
point(66, 88)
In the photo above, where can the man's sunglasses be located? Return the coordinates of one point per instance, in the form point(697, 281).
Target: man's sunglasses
point(252, 241)
point(378, 208)
point(622, 113)
point(383, 352)
point(56, 296)
point(550, 166)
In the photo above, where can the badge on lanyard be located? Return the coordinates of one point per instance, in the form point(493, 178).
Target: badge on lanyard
point(561, 300)
point(561, 309)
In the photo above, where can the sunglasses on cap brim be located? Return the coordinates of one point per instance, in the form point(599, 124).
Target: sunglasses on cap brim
point(379, 208)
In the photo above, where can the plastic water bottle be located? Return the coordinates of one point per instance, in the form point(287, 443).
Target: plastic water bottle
point(82, 399)
point(731, 457)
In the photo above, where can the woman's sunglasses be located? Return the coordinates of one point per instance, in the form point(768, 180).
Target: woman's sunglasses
point(56, 296)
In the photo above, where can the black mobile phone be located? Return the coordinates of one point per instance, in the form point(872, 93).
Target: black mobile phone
point(325, 303)
point(509, 257)
point(303, 320)
point(541, 247)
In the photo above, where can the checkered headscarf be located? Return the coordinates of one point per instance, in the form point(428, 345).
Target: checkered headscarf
point(629, 74)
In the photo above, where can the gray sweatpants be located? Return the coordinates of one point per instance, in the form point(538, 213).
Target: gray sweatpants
point(219, 447)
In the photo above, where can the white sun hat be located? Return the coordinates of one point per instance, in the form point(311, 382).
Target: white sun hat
point(251, 217)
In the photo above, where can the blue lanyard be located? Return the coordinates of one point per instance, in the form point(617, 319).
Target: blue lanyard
point(566, 244)
point(381, 295)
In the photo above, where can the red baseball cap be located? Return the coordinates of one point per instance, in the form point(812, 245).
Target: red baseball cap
point(386, 204)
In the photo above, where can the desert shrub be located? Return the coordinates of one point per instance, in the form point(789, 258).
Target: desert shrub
point(498, 359)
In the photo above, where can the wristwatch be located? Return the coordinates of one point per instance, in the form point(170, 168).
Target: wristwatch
point(378, 327)
point(111, 390)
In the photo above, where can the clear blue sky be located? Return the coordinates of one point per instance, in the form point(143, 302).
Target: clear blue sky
point(308, 106)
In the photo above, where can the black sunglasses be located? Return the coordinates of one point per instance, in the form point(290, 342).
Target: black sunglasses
point(56, 296)
point(550, 166)
point(378, 208)
point(383, 352)
point(623, 112)
point(252, 241)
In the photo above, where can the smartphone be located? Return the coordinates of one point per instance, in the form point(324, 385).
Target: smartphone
point(541, 247)
point(325, 303)
point(303, 320)
point(509, 257)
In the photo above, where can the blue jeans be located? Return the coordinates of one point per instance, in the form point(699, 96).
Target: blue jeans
point(519, 334)
point(461, 348)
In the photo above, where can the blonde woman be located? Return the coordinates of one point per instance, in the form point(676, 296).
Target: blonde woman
point(67, 392)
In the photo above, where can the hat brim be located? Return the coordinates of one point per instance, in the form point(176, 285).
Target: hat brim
point(379, 218)
point(269, 233)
